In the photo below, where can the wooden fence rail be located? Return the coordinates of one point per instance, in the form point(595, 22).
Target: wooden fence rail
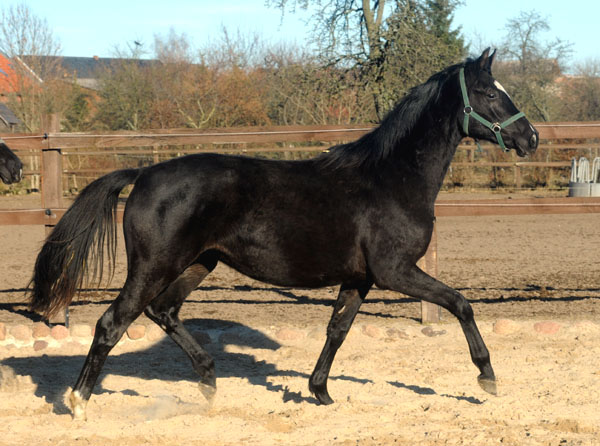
point(53, 145)
point(275, 134)
point(556, 136)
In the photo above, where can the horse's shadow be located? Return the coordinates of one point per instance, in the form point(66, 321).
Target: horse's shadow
point(429, 391)
point(54, 374)
point(165, 361)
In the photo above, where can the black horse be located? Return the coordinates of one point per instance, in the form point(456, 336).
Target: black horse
point(359, 215)
point(11, 167)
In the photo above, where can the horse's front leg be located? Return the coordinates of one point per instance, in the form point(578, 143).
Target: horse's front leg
point(348, 302)
point(416, 283)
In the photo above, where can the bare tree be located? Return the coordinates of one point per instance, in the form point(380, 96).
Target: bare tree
point(377, 37)
point(23, 33)
point(28, 41)
point(220, 86)
point(523, 43)
point(344, 29)
point(581, 93)
point(301, 91)
point(126, 96)
point(173, 48)
point(532, 64)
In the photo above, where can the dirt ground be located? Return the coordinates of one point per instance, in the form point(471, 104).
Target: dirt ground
point(393, 383)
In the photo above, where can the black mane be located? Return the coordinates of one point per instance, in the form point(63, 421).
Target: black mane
point(377, 146)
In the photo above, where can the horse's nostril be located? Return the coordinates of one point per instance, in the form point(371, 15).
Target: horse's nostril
point(533, 141)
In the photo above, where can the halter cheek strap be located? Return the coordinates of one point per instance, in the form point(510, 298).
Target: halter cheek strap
point(469, 112)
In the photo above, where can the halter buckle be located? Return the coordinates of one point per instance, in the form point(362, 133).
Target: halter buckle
point(468, 110)
point(496, 128)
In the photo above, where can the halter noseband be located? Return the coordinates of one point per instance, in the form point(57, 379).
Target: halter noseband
point(469, 112)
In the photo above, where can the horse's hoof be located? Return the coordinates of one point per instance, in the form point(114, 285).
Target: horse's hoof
point(325, 399)
point(208, 391)
point(489, 385)
point(321, 394)
point(77, 406)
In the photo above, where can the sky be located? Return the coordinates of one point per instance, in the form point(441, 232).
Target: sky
point(97, 28)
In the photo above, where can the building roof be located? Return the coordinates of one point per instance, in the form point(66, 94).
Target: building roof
point(7, 116)
point(8, 80)
point(86, 70)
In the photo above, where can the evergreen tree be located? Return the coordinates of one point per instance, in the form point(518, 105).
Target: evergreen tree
point(440, 14)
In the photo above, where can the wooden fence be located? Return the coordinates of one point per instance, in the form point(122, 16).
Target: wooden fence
point(52, 146)
point(565, 137)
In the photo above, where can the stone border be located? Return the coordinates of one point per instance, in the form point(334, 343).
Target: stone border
point(40, 336)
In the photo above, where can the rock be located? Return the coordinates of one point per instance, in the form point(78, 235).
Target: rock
point(202, 337)
point(547, 327)
point(21, 332)
point(2, 331)
point(9, 381)
point(289, 334)
point(81, 331)
point(59, 332)
point(395, 333)
point(505, 326)
point(154, 333)
point(429, 331)
point(40, 330)
point(372, 331)
point(136, 331)
point(39, 345)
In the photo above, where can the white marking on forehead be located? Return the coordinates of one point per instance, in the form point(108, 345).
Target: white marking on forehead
point(500, 87)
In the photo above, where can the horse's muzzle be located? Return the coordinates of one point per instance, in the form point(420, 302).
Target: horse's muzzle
point(528, 146)
point(534, 140)
point(11, 173)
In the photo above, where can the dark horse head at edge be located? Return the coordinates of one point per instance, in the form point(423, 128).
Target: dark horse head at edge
point(11, 167)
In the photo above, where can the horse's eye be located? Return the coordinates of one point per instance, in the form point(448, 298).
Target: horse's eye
point(491, 95)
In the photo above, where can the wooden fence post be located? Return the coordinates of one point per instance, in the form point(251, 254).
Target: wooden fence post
point(51, 171)
point(518, 181)
point(51, 185)
point(430, 313)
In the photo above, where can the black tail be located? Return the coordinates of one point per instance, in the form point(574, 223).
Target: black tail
point(75, 248)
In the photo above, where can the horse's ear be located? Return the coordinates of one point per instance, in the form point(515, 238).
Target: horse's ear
point(484, 60)
point(491, 61)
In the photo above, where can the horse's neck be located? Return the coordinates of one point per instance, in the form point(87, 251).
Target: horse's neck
point(434, 147)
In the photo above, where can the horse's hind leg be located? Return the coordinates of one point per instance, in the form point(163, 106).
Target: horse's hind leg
point(164, 310)
point(130, 303)
point(348, 302)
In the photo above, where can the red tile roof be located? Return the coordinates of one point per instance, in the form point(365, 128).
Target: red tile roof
point(8, 77)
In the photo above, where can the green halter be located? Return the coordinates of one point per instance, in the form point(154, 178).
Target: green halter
point(469, 112)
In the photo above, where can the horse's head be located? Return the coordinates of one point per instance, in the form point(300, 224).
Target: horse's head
point(11, 167)
point(488, 111)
